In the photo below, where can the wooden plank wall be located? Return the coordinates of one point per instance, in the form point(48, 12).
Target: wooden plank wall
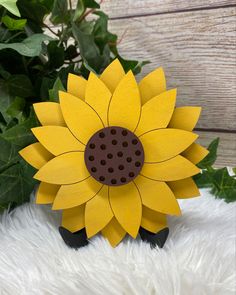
point(194, 41)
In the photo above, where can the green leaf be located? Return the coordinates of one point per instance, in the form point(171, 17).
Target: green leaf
point(14, 24)
point(91, 4)
point(234, 170)
point(79, 10)
point(31, 46)
point(59, 12)
point(16, 107)
point(210, 159)
point(8, 155)
point(20, 85)
point(55, 55)
point(10, 5)
point(53, 93)
point(133, 65)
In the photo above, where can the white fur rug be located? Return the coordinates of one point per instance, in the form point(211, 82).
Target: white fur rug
point(198, 258)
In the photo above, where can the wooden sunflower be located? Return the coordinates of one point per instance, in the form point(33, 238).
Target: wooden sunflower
point(115, 155)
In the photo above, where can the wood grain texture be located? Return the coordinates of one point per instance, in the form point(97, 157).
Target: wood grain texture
point(227, 147)
point(196, 50)
point(124, 8)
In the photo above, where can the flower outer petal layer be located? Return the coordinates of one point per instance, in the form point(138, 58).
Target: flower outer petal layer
point(57, 140)
point(127, 207)
point(114, 232)
point(67, 168)
point(195, 153)
point(98, 212)
point(162, 144)
point(49, 113)
point(73, 195)
point(98, 96)
point(153, 221)
point(156, 113)
point(36, 155)
point(152, 85)
point(184, 188)
point(73, 218)
point(46, 193)
point(80, 117)
point(76, 86)
point(157, 195)
point(174, 169)
point(112, 75)
point(185, 118)
point(125, 105)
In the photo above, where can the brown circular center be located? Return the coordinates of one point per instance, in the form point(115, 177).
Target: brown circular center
point(114, 156)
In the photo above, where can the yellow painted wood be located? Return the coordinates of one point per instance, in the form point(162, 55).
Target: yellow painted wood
point(49, 113)
point(81, 119)
point(157, 195)
point(36, 155)
point(156, 113)
point(112, 75)
point(46, 193)
point(114, 232)
point(57, 139)
point(184, 188)
point(162, 144)
point(98, 212)
point(185, 118)
point(73, 219)
point(98, 96)
point(152, 85)
point(72, 195)
point(174, 169)
point(125, 105)
point(153, 221)
point(76, 86)
point(67, 168)
point(127, 207)
point(195, 153)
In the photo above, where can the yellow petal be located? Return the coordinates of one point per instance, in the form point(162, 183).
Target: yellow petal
point(152, 85)
point(73, 219)
point(195, 153)
point(184, 188)
point(162, 144)
point(98, 96)
point(72, 195)
point(157, 196)
point(80, 118)
point(174, 169)
point(153, 221)
point(76, 86)
point(112, 75)
point(185, 118)
point(46, 193)
point(98, 212)
point(114, 232)
point(124, 109)
point(64, 169)
point(126, 205)
point(36, 155)
point(157, 112)
point(49, 113)
point(57, 139)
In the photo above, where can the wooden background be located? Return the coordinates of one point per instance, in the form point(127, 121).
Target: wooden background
point(194, 41)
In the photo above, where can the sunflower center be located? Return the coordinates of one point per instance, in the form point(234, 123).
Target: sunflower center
point(114, 156)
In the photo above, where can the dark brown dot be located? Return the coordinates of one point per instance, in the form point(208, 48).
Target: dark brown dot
point(103, 162)
point(92, 145)
point(110, 170)
point(113, 181)
point(113, 131)
point(91, 158)
point(131, 174)
point(138, 153)
point(134, 141)
point(125, 144)
point(101, 178)
point(109, 156)
point(101, 134)
point(129, 159)
point(94, 169)
point(137, 164)
point(120, 154)
point(124, 132)
point(123, 179)
point(121, 167)
point(103, 146)
point(114, 142)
